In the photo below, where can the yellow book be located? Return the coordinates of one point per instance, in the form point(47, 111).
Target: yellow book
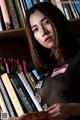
point(12, 94)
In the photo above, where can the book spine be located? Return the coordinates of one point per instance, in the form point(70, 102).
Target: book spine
point(23, 9)
point(22, 93)
point(35, 1)
point(41, 0)
point(19, 13)
point(25, 6)
point(3, 105)
point(30, 81)
point(6, 98)
point(13, 14)
point(30, 91)
point(53, 2)
point(29, 3)
point(24, 67)
point(5, 14)
point(11, 92)
point(1, 21)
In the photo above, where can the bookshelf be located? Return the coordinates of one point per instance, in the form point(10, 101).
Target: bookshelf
point(13, 43)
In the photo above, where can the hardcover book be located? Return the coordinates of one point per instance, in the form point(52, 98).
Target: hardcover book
point(23, 94)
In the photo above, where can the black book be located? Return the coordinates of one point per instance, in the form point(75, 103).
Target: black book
point(23, 94)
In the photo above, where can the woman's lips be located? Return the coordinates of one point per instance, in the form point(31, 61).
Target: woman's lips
point(47, 39)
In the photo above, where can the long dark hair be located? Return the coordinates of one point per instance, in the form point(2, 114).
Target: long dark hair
point(42, 57)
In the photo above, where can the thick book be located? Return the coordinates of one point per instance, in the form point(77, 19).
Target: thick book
point(24, 97)
point(3, 104)
point(41, 115)
point(13, 14)
point(30, 91)
point(7, 100)
point(12, 94)
point(5, 14)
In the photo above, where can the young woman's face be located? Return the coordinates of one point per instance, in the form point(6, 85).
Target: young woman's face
point(42, 29)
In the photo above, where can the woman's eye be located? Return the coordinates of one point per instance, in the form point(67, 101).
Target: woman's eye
point(46, 22)
point(35, 30)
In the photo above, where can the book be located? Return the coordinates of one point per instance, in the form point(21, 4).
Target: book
point(77, 3)
point(59, 5)
point(7, 100)
point(23, 94)
point(29, 90)
point(25, 6)
point(29, 3)
point(76, 10)
point(31, 79)
point(13, 14)
point(41, 115)
point(41, 0)
point(3, 105)
point(68, 13)
point(53, 2)
point(35, 1)
point(5, 14)
point(11, 92)
point(19, 13)
point(1, 26)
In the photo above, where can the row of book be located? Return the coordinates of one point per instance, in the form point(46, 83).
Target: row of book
point(13, 12)
point(17, 94)
point(13, 66)
point(70, 8)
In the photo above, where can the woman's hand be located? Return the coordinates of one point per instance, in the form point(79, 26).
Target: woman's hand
point(59, 111)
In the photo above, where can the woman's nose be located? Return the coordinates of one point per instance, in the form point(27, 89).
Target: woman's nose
point(44, 31)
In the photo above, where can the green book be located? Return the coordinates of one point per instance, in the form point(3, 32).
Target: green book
point(19, 13)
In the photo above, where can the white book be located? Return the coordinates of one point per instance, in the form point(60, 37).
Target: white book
point(29, 90)
point(59, 5)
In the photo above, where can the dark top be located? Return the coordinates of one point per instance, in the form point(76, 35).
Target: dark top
point(62, 85)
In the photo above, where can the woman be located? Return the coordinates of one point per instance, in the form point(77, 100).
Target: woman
point(55, 53)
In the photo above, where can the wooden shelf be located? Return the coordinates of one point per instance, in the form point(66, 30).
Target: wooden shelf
point(75, 28)
point(13, 43)
point(16, 36)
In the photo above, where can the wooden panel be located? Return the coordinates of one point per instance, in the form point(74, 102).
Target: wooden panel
point(75, 28)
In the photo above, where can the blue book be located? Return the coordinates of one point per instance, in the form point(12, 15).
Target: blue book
point(77, 3)
point(29, 3)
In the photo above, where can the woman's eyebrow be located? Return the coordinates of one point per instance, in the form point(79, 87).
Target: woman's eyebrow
point(40, 20)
